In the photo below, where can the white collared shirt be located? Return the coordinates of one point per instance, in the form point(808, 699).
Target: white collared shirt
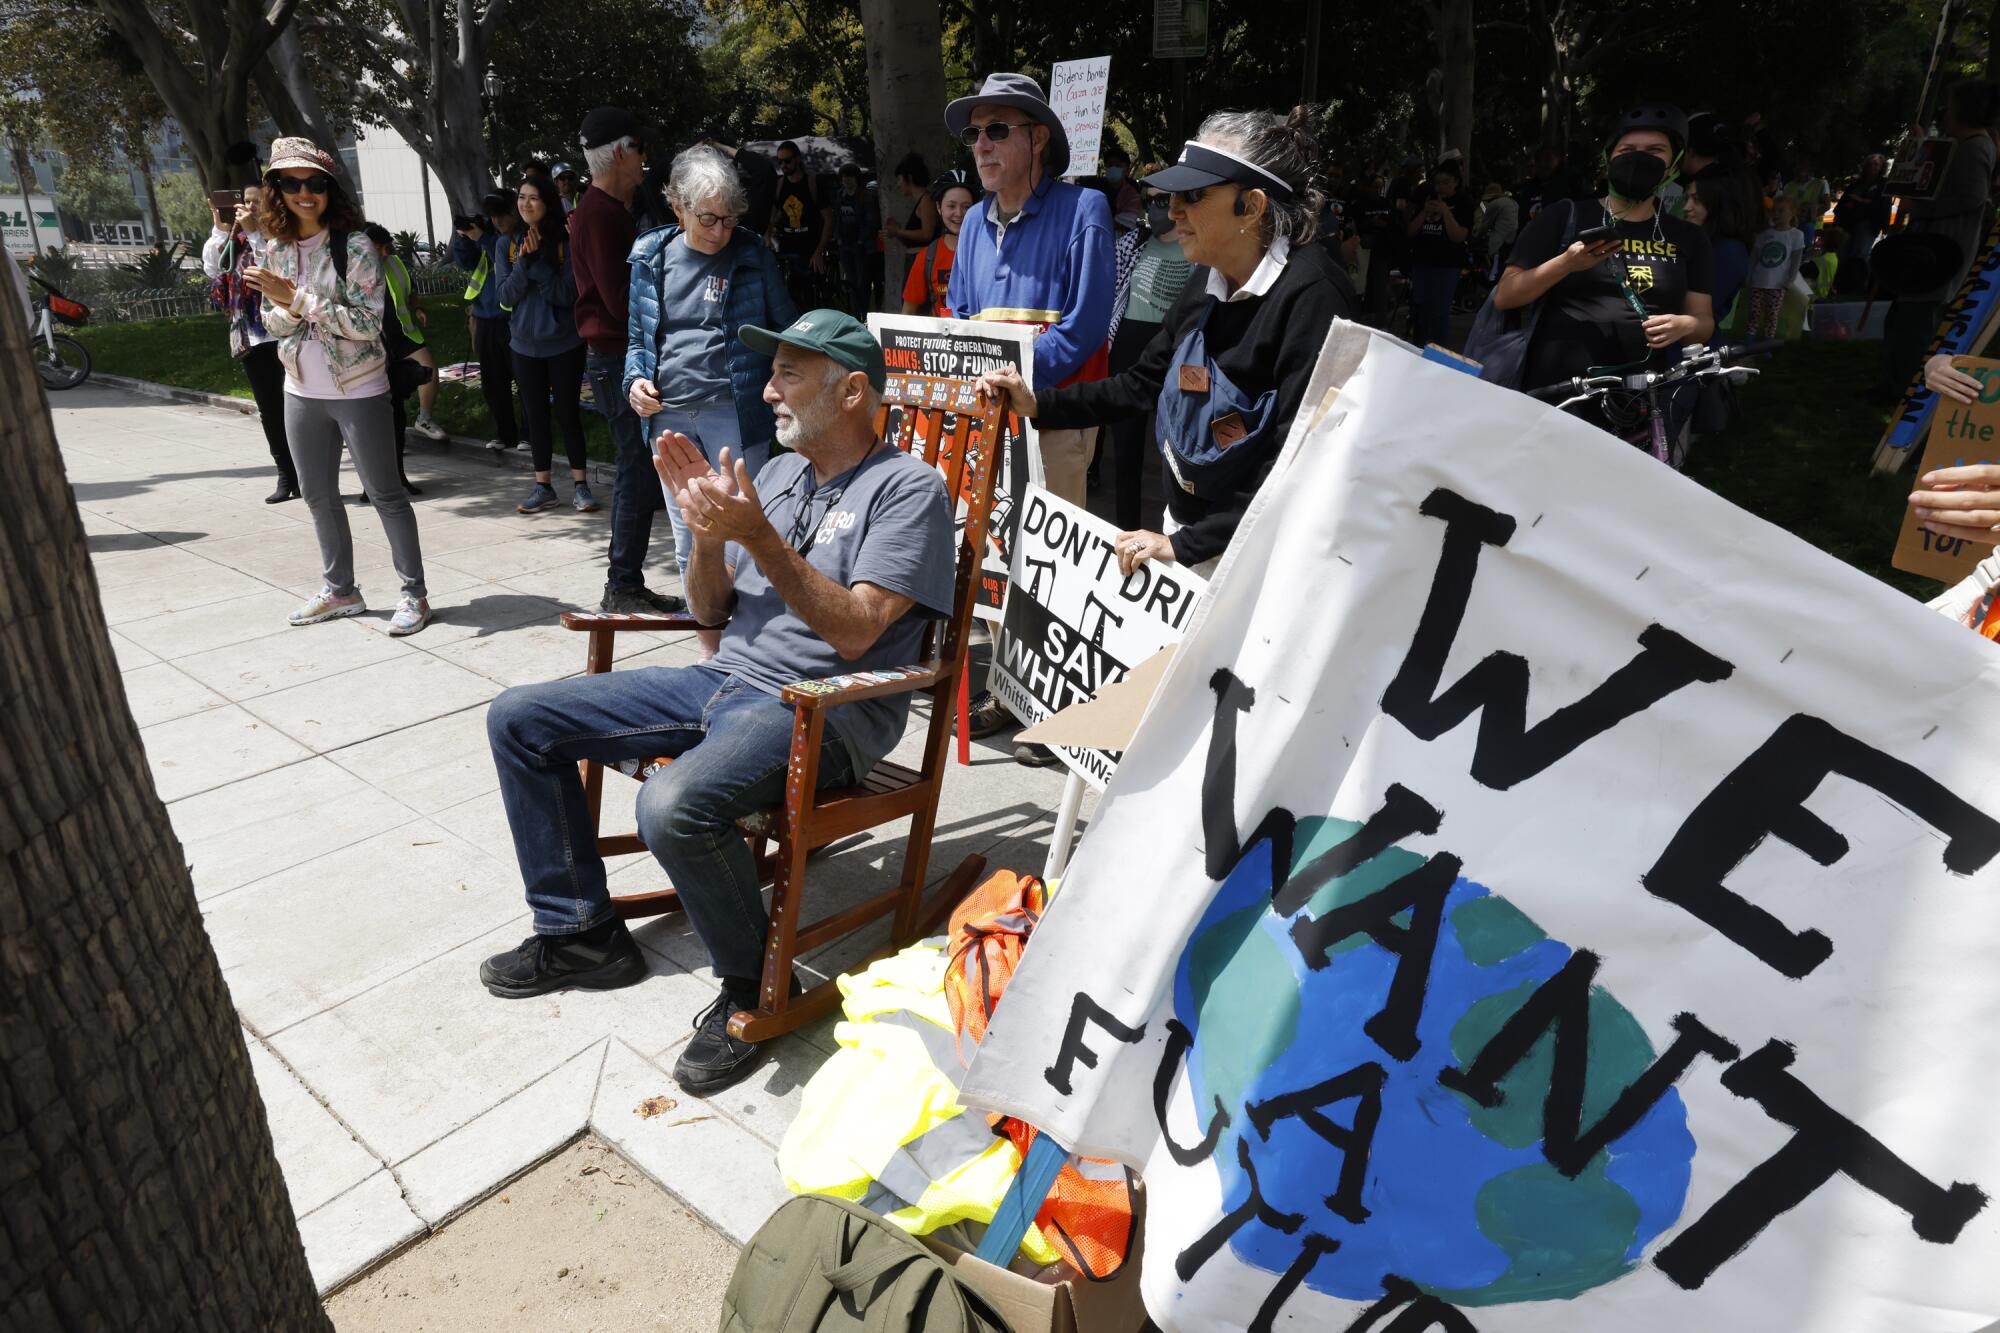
point(1266, 273)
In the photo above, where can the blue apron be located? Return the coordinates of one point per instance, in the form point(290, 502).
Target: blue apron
point(1212, 433)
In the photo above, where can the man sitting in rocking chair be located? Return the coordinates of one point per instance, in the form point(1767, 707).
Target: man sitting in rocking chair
point(833, 561)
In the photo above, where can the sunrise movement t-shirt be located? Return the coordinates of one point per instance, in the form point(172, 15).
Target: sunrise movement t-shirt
point(1585, 320)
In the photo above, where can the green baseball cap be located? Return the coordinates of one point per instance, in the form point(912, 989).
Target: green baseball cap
point(831, 333)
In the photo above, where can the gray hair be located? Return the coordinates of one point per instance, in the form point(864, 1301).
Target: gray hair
point(600, 158)
point(701, 174)
point(1282, 147)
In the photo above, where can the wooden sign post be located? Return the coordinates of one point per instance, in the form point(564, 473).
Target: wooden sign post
point(1959, 434)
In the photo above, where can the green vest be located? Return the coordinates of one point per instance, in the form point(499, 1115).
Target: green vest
point(398, 275)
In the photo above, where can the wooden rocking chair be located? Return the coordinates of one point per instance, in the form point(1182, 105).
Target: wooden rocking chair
point(943, 421)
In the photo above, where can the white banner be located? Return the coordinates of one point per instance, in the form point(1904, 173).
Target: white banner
point(1541, 897)
point(1077, 89)
point(1074, 624)
point(24, 223)
point(966, 349)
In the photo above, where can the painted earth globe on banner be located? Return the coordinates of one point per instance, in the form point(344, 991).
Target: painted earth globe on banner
point(1458, 1197)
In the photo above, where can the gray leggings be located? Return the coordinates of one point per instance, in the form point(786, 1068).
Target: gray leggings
point(315, 427)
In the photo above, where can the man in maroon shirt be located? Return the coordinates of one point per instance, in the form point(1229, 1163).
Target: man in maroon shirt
point(601, 231)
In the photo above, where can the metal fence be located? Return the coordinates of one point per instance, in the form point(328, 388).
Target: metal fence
point(129, 305)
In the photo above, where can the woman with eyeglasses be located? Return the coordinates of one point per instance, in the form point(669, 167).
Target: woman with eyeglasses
point(693, 286)
point(323, 299)
point(536, 282)
point(1227, 371)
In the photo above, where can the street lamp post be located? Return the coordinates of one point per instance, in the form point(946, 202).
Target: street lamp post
point(493, 87)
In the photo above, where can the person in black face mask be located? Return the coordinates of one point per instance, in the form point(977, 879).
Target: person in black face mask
point(1151, 272)
point(1630, 299)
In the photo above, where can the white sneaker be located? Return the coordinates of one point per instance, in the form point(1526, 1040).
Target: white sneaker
point(429, 429)
point(327, 605)
point(412, 614)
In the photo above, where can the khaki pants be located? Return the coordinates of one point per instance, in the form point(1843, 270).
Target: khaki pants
point(1066, 456)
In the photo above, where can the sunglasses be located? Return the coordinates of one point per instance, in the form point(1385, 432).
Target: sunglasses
point(315, 184)
point(1189, 198)
point(788, 162)
point(996, 132)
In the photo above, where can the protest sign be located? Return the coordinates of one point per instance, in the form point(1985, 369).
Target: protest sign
point(1540, 896)
point(1077, 89)
point(1968, 323)
point(966, 349)
point(1074, 624)
point(1959, 434)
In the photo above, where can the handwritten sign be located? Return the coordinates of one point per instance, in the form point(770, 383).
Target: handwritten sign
point(1967, 324)
point(1076, 90)
point(965, 349)
point(1522, 909)
point(1959, 434)
point(1074, 624)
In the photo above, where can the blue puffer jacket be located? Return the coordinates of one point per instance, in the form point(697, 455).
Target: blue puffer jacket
point(757, 296)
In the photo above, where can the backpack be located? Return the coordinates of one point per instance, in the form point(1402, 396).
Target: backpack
point(823, 1265)
point(405, 375)
point(1499, 338)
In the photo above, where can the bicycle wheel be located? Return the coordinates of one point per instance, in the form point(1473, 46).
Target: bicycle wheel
point(64, 364)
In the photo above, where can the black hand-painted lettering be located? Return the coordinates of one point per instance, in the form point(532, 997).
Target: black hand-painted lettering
point(1083, 1012)
point(1210, 1243)
point(1826, 1144)
point(1179, 1042)
point(1561, 1006)
point(1403, 814)
point(1363, 1086)
point(1218, 776)
point(1765, 796)
point(1508, 751)
point(1421, 893)
point(1424, 1312)
point(1312, 1249)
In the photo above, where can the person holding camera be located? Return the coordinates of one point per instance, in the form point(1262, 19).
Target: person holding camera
point(538, 286)
point(323, 299)
point(232, 249)
point(475, 248)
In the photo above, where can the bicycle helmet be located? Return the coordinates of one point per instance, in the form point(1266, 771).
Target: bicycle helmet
point(1670, 120)
point(959, 178)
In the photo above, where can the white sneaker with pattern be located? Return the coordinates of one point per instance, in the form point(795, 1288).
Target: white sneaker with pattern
point(412, 614)
point(328, 605)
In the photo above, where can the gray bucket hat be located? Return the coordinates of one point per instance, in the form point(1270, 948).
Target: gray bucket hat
point(1023, 94)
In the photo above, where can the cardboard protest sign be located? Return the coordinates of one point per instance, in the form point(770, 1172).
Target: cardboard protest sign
point(1968, 323)
point(966, 349)
point(1074, 624)
point(1077, 89)
point(1959, 434)
point(1540, 896)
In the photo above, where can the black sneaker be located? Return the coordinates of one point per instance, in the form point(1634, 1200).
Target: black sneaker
point(640, 601)
point(606, 958)
point(1035, 756)
point(988, 716)
point(713, 1060)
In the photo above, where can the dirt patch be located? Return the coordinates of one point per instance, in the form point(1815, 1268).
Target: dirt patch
point(584, 1241)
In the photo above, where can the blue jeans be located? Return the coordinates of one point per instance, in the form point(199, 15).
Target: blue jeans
point(638, 492)
point(1431, 290)
point(713, 425)
point(731, 744)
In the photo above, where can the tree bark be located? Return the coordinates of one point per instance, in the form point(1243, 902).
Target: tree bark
point(905, 45)
point(138, 1188)
point(145, 164)
point(1457, 50)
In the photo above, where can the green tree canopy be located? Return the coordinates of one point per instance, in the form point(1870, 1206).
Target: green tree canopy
point(96, 193)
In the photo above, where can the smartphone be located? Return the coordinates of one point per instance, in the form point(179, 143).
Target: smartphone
point(1593, 235)
point(225, 202)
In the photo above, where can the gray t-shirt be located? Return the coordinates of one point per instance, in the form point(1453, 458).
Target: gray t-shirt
point(694, 344)
point(885, 521)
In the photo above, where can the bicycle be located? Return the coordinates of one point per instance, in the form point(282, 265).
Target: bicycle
point(61, 361)
point(1633, 404)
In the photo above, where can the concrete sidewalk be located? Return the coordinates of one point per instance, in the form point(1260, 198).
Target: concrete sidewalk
point(332, 790)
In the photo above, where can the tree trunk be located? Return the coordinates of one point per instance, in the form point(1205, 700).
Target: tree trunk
point(905, 45)
point(25, 178)
point(139, 1188)
point(1457, 49)
point(145, 165)
point(294, 102)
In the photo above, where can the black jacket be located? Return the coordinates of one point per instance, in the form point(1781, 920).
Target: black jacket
point(1261, 342)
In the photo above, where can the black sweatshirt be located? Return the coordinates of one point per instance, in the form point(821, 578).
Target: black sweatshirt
point(1260, 342)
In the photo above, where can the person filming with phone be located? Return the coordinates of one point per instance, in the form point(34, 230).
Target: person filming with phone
point(234, 247)
point(1619, 285)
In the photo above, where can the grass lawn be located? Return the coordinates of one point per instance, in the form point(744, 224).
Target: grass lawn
point(1797, 456)
point(193, 353)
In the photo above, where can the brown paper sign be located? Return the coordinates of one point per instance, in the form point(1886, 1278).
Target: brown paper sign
point(1959, 434)
point(1194, 379)
point(1229, 428)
